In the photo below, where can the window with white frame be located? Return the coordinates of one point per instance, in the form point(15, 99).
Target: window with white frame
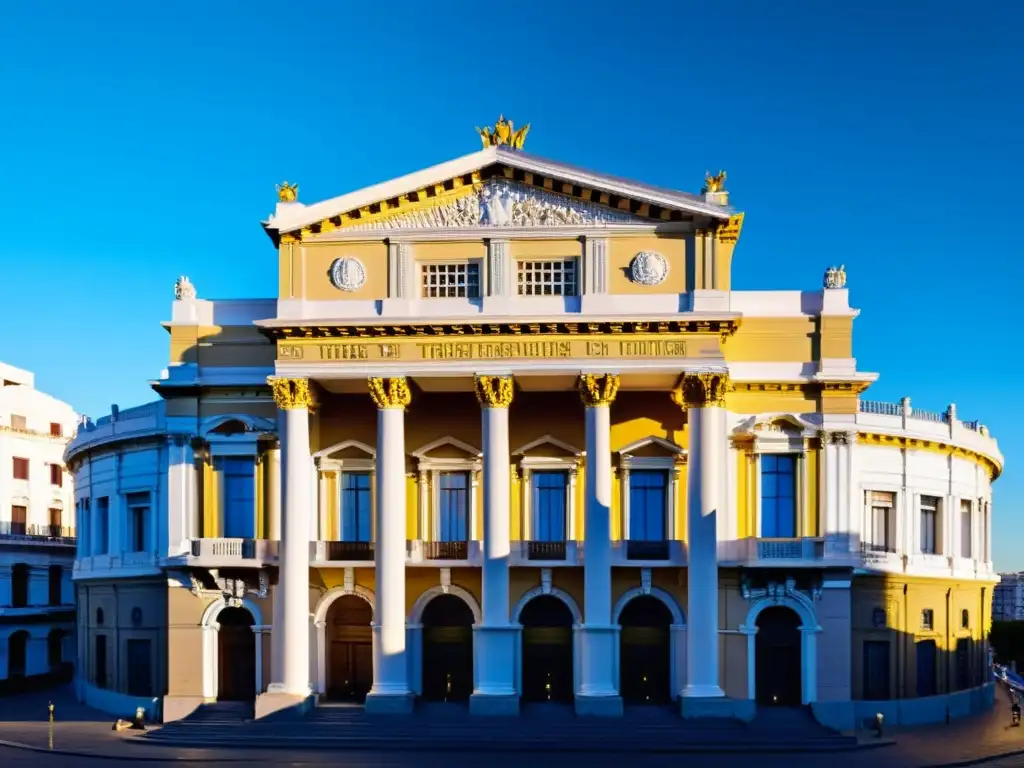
point(881, 514)
point(239, 504)
point(650, 490)
point(966, 527)
point(778, 496)
point(356, 507)
point(346, 473)
point(448, 491)
point(547, 277)
point(451, 280)
point(549, 471)
point(930, 525)
point(138, 522)
point(780, 483)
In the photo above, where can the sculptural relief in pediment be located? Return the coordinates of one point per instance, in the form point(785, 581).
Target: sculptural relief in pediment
point(503, 203)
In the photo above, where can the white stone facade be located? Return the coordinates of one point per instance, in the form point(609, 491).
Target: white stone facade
point(37, 533)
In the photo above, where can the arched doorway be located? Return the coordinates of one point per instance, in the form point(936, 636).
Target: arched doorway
point(447, 649)
point(777, 657)
point(17, 650)
point(236, 656)
point(645, 651)
point(349, 649)
point(547, 650)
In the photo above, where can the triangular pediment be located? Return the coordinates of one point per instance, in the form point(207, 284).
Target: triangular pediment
point(495, 187)
point(447, 448)
point(651, 447)
point(548, 447)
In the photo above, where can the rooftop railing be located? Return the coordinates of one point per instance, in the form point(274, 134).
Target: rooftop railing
point(903, 408)
point(14, 531)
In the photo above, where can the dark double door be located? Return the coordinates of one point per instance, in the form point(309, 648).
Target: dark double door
point(645, 652)
point(236, 663)
point(349, 649)
point(447, 650)
point(777, 657)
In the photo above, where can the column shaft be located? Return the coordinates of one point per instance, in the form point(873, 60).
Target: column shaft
point(495, 691)
point(390, 690)
point(273, 469)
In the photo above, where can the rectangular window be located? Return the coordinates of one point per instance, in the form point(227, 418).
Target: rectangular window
point(101, 661)
point(56, 579)
point(963, 663)
point(926, 655)
point(239, 473)
point(56, 430)
point(930, 525)
point(881, 510)
point(19, 520)
point(648, 508)
point(137, 519)
point(55, 521)
point(966, 527)
point(549, 505)
point(451, 281)
point(356, 511)
point(20, 468)
point(927, 619)
point(876, 670)
point(56, 475)
point(454, 506)
point(140, 678)
point(83, 520)
point(102, 543)
point(985, 532)
point(778, 496)
point(555, 277)
point(18, 422)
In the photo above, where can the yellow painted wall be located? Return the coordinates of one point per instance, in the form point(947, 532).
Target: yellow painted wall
point(461, 251)
point(219, 346)
point(622, 250)
point(836, 336)
point(773, 339)
point(313, 268)
point(546, 249)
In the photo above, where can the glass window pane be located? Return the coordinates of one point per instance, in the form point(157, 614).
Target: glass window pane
point(778, 496)
point(647, 505)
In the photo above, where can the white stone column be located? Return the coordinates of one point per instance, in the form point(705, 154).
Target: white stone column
point(704, 396)
point(390, 691)
point(290, 635)
point(599, 694)
point(495, 692)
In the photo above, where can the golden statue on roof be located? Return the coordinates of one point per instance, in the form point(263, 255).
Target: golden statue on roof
point(287, 193)
point(504, 133)
point(713, 183)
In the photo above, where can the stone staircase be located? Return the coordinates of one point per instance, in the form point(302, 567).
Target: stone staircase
point(538, 728)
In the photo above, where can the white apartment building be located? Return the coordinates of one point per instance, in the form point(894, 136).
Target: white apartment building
point(37, 534)
point(1008, 598)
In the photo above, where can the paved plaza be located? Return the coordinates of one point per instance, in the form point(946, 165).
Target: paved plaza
point(83, 737)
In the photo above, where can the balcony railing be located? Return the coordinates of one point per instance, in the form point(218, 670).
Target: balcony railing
point(646, 550)
point(790, 549)
point(867, 547)
point(445, 550)
point(545, 550)
point(234, 549)
point(348, 550)
point(25, 532)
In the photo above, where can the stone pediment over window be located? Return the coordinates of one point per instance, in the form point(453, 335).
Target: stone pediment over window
point(448, 451)
point(652, 448)
point(235, 425)
point(350, 454)
point(548, 447)
point(775, 432)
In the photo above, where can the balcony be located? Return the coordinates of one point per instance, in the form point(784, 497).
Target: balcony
point(649, 554)
point(646, 550)
point(37, 534)
point(341, 551)
point(545, 550)
point(226, 553)
point(443, 553)
point(772, 552)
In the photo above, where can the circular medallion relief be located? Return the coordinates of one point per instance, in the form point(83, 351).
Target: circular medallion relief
point(347, 274)
point(648, 268)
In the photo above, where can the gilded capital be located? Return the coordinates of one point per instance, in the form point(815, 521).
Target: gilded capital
point(494, 391)
point(598, 389)
point(390, 393)
point(292, 393)
point(702, 390)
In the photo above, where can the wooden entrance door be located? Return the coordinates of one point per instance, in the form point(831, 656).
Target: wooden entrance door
point(349, 649)
point(236, 656)
point(777, 657)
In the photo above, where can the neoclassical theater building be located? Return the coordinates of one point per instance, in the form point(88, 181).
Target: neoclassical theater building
point(506, 435)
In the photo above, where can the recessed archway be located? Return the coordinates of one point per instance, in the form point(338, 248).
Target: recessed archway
point(447, 649)
point(645, 651)
point(236, 656)
point(349, 649)
point(777, 657)
point(214, 661)
point(547, 650)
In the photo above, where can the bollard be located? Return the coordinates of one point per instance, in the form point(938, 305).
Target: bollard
point(879, 718)
point(50, 729)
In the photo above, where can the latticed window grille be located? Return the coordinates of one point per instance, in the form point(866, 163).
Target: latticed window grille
point(547, 278)
point(451, 281)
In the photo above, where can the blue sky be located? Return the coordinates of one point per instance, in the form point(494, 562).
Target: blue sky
point(143, 140)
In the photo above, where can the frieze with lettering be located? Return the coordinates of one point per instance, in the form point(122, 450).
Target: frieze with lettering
point(447, 349)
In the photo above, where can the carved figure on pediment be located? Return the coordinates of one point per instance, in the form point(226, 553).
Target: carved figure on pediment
point(835, 277)
point(183, 289)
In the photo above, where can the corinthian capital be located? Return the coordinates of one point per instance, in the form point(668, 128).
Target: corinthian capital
point(702, 390)
point(494, 391)
point(390, 393)
point(292, 393)
point(598, 389)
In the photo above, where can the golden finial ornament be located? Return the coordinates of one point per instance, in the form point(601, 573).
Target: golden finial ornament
point(287, 193)
point(503, 133)
point(713, 183)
